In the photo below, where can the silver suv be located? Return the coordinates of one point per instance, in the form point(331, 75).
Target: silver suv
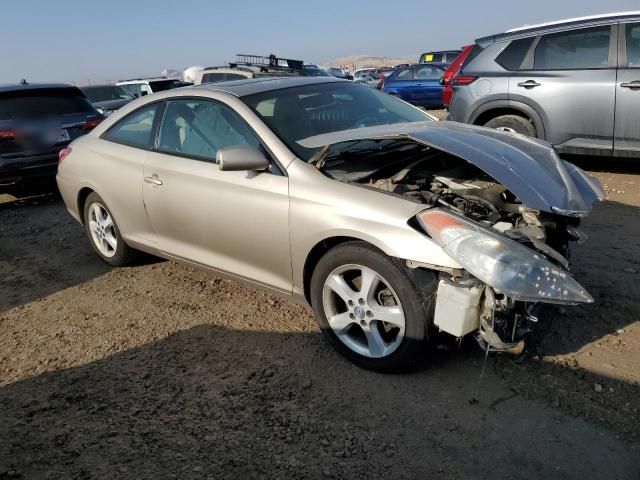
point(574, 83)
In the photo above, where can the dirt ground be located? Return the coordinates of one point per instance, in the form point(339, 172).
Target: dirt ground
point(162, 371)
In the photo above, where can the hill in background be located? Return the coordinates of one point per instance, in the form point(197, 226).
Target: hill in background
point(364, 61)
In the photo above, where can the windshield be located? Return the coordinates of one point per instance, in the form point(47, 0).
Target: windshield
point(106, 93)
point(301, 112)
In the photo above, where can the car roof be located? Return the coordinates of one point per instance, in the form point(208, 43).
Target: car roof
point(226, 69)
point(98, 85)
point(251, 86)
point(12, 87)
point(143, 80)
point(442, 51)
point(437, 64)
point(529, 30)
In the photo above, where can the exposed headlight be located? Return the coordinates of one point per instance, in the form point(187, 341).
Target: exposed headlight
point(504, 264)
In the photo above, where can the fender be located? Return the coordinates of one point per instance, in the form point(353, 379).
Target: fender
point(515, 105)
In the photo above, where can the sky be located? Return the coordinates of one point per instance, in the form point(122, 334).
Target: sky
point(81, 41)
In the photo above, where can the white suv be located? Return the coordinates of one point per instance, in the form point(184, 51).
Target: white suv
point(139, 87)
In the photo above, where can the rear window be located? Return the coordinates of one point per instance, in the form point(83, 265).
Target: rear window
point(511, 57)
point(160, 85)
point(46, 102)
point(135, 129)
point(430, 57)
point(221, 77)
point(587, 48)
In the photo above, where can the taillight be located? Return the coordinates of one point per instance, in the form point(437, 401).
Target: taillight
point(64, 153)
point(6, 134)
point(463, 79)
point(92, 123)
point(452, 72)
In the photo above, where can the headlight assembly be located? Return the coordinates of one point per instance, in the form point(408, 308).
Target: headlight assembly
point(504, 264)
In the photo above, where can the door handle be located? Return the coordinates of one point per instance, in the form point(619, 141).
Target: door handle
point(419, 84)
point(154, 180)
point(632, 85)
point(529, 84)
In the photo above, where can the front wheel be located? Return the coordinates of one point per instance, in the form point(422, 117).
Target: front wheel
point(368, 308)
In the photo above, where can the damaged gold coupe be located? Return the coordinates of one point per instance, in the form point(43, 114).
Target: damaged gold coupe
point(391, 225)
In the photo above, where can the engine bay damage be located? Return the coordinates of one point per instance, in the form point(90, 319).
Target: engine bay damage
point(448, 183)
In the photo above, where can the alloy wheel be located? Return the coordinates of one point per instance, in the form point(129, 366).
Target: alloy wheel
point(363, 311)
point(102, 230)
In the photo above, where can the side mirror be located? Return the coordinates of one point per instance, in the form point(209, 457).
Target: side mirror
point(241, 158)
point(144, 92)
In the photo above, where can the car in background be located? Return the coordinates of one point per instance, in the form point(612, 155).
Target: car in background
point(418, 84)
point(221, 74)
point(140, 87)
point(339, 73)
point(442, 56)
point(36, 122)
point(452, 71)
point(107, 98)
point(314, 71)
point(383, 73)
point(361, 71)
point(392, 226)
point(369, 79)
point(574, 83)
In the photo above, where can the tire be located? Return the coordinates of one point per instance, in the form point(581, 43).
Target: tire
point(358, 333)
point(513, 123)
point(104, 234)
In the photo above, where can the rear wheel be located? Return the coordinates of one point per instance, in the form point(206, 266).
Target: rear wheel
point(368, 308)
point(103, 233)
point(513, 123)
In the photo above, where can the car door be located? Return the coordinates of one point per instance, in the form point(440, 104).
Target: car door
point(428, 90)
point(234, 222)
point(123, 149)
point(569, 79)
point(402, 84)
point(627, 123)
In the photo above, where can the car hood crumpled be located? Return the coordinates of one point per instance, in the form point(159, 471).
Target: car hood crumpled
point(528, 167)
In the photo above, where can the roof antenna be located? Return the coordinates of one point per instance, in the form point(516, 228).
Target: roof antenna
point(24, 82)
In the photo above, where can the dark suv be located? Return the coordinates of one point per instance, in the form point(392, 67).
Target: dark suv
point(36, 122)
point(574, 83)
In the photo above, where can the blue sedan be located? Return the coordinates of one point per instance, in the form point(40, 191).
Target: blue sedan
point(417, 84)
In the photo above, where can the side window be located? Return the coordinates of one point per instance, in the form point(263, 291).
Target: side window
point(199, 128)
point(235, 76)
point(450, 57)
point(633, 45)
point(511, 57)
point(212, 77)
point(578, 49)
point(133, 89)
point(428, 72)
point(406, 74)
point(135, 129)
